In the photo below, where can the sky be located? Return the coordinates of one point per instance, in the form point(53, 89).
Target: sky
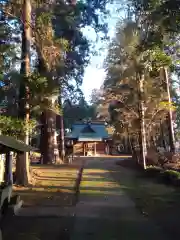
point(94, 73)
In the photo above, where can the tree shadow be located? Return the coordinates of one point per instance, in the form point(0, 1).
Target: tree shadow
point(41, 228)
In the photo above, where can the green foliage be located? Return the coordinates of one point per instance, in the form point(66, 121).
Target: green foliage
point(167, 105)
point(43, 19)
point(123, 65)
point(134, 77)
point(15, 127)
point(61, 51)
point(171, 177)
point(172, 173)
point(166, 176)
point(7, 53)
point(153, 171)
point(41, 86)
point(77, 112)
point(160, 58)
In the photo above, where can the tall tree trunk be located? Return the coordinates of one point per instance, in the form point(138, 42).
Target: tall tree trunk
point(142, 121)
point(162, 135)
point(47, 144)
point(43, 119)
point(169, 117)
point(23, 164)
point(61, 134)
point(44, 137)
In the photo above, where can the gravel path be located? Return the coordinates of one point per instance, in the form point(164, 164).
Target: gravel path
point(105, 212)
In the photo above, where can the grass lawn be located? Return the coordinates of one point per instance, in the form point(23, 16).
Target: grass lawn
point(53, 185)
point(155, 200)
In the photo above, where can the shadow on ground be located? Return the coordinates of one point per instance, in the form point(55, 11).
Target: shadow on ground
point(37, 228)
point(155, 202)
point(54, 189)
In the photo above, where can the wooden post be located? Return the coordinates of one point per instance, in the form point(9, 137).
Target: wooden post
point(8, 168)
point(107, 148)
point(86, 149)
point(73, 149)
point(2, 167)
point(95, 149)
point(83, 148)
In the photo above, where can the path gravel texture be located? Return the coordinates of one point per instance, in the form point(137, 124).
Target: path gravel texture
point(105, 212)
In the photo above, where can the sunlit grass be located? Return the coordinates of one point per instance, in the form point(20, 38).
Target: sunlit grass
point(91, 171)
point(98, 192)
point(53, 173)
point(49, 184)
point(49, 179)
point(52, 190)
point(88, 176)
point(97, 184)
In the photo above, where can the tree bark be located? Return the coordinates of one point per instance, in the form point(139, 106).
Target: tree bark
point(47, 145)
point(24, 111)
point(142, 121)
point(61, 135)
point(169, 116)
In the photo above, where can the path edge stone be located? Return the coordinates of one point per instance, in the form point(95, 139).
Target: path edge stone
point(78, 182)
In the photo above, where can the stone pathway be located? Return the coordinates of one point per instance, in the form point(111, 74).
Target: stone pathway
point(105, 212)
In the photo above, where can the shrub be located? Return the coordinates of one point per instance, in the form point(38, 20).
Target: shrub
point(153, 171)
point(171, 176)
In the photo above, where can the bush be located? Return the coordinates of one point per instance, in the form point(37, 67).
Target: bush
point(171, 176)
point(153, 171)
point(167, 177)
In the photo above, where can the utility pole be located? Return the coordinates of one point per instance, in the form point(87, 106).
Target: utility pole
point(24, 94)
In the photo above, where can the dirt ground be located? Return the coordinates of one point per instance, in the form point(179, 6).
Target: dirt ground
point(54, 188)
point(105, 211)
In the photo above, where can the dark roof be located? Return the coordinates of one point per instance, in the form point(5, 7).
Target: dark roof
point(90, 122)
point(13, 144)
point(88, 131)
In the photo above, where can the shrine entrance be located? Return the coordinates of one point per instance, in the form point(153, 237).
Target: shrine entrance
point(89, 138)
point(89, 149)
